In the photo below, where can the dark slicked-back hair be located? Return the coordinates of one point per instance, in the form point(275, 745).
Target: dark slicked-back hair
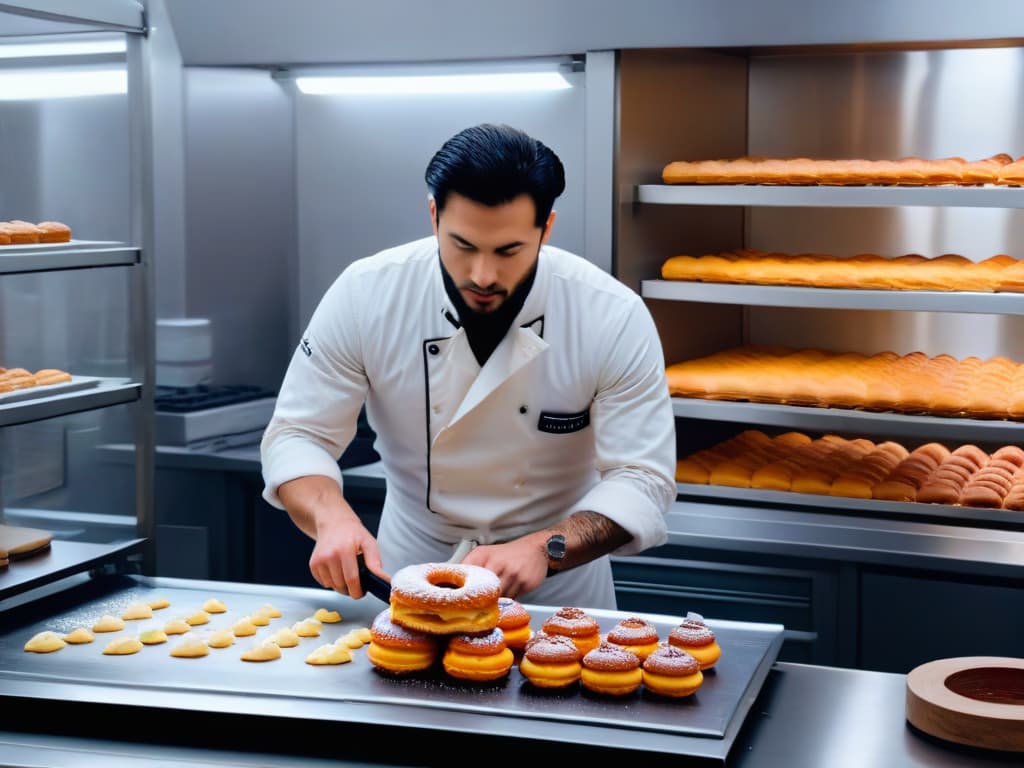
point(494, 164)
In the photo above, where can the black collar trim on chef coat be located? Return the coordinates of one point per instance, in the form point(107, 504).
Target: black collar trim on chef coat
point(484, 331)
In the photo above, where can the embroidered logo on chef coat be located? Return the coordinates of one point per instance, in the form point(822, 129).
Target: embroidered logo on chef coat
point(560, 423)
point(306, 348)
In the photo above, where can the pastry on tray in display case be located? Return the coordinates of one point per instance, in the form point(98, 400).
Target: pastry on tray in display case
point(930, 473)
point(866, 271)
point(18, 232)
point(940, 385)
point(12, 379)
point(999, 170)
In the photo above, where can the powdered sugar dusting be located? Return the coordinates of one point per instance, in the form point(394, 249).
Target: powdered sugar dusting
point(610, 658)
point(428, 583)
point(571, 621)
point(551, 649)
point(668, 660)
point(384, 631)
point(479, 644)
point(633, 631)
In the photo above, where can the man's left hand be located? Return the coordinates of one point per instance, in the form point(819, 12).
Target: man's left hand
point(521, 564)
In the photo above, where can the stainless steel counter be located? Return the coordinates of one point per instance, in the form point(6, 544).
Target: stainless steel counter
point(804, 717)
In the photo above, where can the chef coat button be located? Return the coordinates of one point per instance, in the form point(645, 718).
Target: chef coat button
point(433, 349)
point(523, 409)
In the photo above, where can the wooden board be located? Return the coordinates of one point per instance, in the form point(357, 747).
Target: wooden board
point(17, 542)
point(972, 700)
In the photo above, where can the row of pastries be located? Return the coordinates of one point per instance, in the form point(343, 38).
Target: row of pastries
point(1001, 170)
point(19, 232)
point(12, 379)
point(940, 385)
point(964, 475)
point(907, 272)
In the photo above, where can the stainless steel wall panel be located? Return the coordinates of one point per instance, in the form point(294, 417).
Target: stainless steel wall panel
point(886, 105)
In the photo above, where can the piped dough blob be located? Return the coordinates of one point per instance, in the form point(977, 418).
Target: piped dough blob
point(309, 627)
point(352, 639)
point(327, 617)
point(152, 637)
point(222, 638)
point(108, 623)
point(160, 602)
point(330, 653)
point(137, 611)
point(190, 647)
point(269, 611)
point(244, 627)
point(285, 638)
point(198, 618)
point(213, 605)
point(265, 651)
point(123, 646)
point(79, 636)
point(45, 642)
point(177, 627)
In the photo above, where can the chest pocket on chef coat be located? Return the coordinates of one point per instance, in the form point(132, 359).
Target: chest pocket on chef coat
point(563, 423)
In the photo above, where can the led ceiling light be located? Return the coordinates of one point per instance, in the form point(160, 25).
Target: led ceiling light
point(495, 82)
point(24, 84)
point(62, 48)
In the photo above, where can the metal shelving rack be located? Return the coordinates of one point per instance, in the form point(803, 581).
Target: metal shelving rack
point(29, 18)
point(893, 425)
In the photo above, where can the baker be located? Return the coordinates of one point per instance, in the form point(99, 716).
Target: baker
point(517, 393)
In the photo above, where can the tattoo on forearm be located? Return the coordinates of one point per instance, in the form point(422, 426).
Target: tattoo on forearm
point(594, 534)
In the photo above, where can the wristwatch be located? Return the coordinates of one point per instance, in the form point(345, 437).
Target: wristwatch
point(556, 552)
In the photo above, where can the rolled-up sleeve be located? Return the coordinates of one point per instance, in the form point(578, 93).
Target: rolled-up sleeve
point(323, 391)
point(634, 430)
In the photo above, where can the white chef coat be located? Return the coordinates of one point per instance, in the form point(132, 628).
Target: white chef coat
point(570, 412)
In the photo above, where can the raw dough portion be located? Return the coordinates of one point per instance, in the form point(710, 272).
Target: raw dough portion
point(326, 616)
point(350, 639)
point(152, 637)
point(79, 636)
point(177, 627)
point(308, 627)
point(108, 623)
point(221, 639)
point(198, 618)
point(137, 611)
point(123, 646)
point(285, 638)
point(259, 619)
point(330, 653)
point(213, 605)
point(269, 611)
point(45, 642)
point(158, 603)
point(265, 651)
point(190, 647)
point(244, 627)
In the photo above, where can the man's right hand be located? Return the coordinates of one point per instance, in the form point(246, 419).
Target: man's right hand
point(317, 507)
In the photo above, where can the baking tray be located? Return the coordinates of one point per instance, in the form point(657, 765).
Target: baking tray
point(704, 724)
point(76, 384)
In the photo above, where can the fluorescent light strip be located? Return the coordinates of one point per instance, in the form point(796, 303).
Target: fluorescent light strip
point(498, 82)
point(63, 48)
point(58, 84)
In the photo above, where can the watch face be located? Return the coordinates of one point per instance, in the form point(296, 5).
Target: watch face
point(556, 547)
